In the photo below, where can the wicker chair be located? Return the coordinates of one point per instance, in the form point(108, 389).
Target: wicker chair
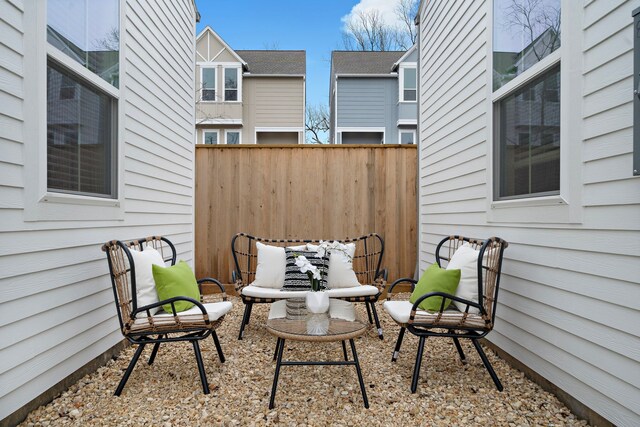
point(366, 264)
point(451, 322)
point(139, 326)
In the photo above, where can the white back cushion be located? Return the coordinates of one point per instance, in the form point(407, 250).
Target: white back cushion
point(271, 266)
point(341, 274)
point(145, 285)
point(465, 259)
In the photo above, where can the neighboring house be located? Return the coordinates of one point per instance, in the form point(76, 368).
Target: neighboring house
point(96, 143)
point(542, 159)
point(372, 97)
point(248, 96)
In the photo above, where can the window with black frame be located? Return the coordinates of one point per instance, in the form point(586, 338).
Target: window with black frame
point(527, 112)
point(81, 115)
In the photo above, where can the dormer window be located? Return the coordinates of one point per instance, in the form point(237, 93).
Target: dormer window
point(408, 83)
point(208, 84)
point(231, 84)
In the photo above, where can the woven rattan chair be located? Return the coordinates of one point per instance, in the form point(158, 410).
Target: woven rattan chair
point(451, 322)
point(366, 264)
point(140, 327)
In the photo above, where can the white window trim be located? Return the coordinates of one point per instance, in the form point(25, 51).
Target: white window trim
point(40, 203)
point(401, 68)
point(362, 129)
point(224, 91)
point(226, 131)
point(298, 130)
point(401, 131)
point(565, 207)
point(215, 82)
point(216, 131)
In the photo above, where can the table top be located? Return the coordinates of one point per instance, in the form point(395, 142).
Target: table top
point(317, 327)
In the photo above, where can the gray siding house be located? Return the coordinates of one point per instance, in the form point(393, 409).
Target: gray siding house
point(372, 97)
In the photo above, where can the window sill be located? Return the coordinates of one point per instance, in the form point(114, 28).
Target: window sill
point(77, 199)
point(530, 201)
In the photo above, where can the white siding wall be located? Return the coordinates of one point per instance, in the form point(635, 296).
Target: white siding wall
point(569, 305)
point(55, 296)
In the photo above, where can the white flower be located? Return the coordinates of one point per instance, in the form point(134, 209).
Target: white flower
point(305, 266)
point(335, 247)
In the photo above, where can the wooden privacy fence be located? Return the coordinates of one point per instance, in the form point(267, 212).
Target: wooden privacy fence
point(308, 192)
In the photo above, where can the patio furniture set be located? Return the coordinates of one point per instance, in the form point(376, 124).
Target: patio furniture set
point(138, 265)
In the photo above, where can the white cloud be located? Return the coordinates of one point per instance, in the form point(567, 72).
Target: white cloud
point(385, 7)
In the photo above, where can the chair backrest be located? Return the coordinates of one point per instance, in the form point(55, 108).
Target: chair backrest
point(122, 271)
point(489, 266)
point(366, 261)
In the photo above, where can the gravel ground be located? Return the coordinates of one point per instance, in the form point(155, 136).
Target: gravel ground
point(169, 392)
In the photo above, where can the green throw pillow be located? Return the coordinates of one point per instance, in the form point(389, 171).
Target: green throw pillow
point(435, 279)
point(176, 281)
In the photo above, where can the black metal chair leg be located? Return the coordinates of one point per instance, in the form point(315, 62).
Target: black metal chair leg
point(487, 365)
point(416, 368)
point(154, 352)
point(249, 315)
point(375, 317)
point(245, 319)
point(344, 351)
point(216, 341)
point(396, 351)
point(203, 375)
point(463, 358)
point(274, 387)
point(368, 312)
point(132, 364)
point(275, 353)
point(360, 380)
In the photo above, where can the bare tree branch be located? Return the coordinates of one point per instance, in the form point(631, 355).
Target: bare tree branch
point(367, 30)
point(317, 124)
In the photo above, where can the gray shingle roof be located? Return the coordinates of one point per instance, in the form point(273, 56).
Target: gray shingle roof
point(357, 62)
point(274, 61)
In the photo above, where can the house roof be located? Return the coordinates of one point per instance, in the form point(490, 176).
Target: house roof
point(293, 62)
point(358, 62)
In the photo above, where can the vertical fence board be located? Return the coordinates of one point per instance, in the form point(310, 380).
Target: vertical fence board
point(315, 192)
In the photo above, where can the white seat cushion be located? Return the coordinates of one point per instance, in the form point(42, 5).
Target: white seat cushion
point(215, 310)
point(400, 311)
point(356, 291)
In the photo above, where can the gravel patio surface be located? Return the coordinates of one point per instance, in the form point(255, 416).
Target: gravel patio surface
point(169, 392)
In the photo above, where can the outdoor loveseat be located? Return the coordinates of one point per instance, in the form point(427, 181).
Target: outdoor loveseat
point(367, 260)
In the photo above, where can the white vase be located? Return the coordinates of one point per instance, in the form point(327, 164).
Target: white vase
point(317, 302)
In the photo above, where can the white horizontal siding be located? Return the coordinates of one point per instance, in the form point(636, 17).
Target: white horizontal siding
point(55, 294)
point(568, 306)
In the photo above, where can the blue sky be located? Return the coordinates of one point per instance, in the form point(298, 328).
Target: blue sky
point(311, 25)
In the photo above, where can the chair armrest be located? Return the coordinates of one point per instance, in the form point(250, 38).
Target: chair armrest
point(237, 282)
point(403, 280)
point(172, 302)
point(444, 296)
point(212, 280)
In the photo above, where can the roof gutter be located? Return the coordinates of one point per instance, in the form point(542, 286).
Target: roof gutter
point(248, 74)
point(388, 75)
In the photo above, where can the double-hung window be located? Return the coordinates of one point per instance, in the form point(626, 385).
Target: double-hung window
point(408, 83)
point(231, 84)
point(526, 100)
point(208, 82)
point(83, 61)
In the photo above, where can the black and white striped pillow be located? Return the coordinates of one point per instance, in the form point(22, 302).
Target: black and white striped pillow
point(294, 279)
